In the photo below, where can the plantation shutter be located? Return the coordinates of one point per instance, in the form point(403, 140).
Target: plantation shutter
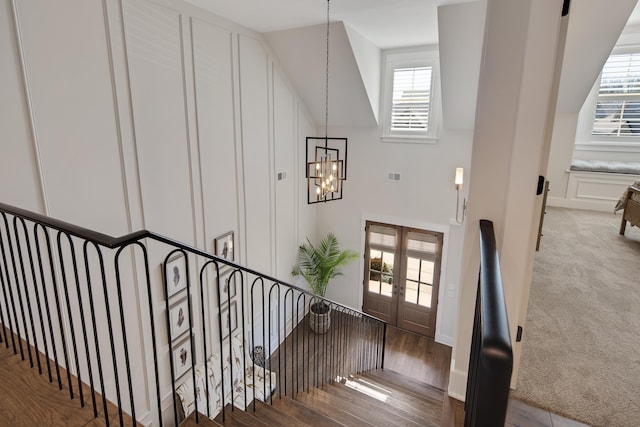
point(411, 99)
point(618, 107)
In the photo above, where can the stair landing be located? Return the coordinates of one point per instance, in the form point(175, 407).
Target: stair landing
point(380, 398)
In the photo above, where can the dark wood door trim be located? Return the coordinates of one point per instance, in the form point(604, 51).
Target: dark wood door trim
point(394, 309)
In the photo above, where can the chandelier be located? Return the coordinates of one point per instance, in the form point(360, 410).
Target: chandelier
point(326, 158)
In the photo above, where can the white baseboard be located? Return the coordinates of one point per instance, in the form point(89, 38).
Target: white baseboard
point(444, 339)
point(591, 205)
point(594, 191)
point(457, 383)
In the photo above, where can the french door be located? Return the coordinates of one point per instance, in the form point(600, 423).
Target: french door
point(402, 274)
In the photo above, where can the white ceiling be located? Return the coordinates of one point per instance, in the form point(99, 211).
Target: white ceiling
point(386, 23)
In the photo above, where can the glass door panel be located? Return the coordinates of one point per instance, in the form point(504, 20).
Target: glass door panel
point(380, 257)
point(381, 272)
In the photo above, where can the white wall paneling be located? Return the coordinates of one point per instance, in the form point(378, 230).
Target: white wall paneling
point(120, 115)
point(71, 99)
point(256, 153)
point(19, 150)
point(153, 36)
point(306, 213)
point(154, 41)
point(212, 72)
point(285, 149)
point(594, 190)
point(214, 113)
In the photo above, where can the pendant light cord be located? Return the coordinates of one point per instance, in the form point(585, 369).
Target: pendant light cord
point(326, 87)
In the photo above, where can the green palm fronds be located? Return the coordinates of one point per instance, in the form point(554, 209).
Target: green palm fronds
point(319, 264)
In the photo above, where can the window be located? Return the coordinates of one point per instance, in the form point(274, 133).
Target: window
point(618, 106)
point(410, 99)
point(409, 104)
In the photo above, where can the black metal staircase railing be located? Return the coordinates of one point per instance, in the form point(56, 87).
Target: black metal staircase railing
point(135, 318)
point(491, 360)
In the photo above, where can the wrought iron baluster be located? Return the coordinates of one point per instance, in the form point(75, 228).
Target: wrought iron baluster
point(94, 324)
point(68, 304)
point(17, 282)
point(124, 340)
point(39, 305)
point(7, 285)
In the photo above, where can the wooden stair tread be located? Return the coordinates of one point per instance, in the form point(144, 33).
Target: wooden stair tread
point(240, 418)
point(305, 414)
point(28, 399)
point(275, 417)
point(327, 406)
point(405, 384)
point(413, 409)
point(203, 420)
point(373, 411)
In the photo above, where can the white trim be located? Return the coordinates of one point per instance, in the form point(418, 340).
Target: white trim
point(411, 139)
point(590, 205)
point(457, 383)
point(618, 146)
point(443, 339)
point(29, 106)
point(413, 57)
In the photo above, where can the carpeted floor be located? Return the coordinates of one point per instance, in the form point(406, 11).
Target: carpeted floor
point(581, 354)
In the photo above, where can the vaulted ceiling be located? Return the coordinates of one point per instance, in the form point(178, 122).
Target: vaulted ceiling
point(294, 30)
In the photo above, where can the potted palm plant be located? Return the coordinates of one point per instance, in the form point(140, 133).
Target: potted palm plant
point(318, 265)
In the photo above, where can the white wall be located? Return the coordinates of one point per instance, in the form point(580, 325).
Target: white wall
point(425, 197)
point(302, 52)
point(120, 115)
point(460, 29)
point(510, 139)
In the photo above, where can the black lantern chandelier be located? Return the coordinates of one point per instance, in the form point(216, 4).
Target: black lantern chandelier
point(326, 158)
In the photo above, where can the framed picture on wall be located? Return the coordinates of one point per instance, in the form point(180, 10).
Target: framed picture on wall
point(175, 273)
point(181, 355)
point(229, 290)
point(223, 246)
point(179, 317)
point(229, 326)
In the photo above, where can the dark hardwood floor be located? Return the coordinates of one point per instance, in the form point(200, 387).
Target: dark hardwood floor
point(28, 399)
point(425, 360)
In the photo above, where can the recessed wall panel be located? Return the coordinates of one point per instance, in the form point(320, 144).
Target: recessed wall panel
point(256, 153)
point(17, 153)
point(285, 150)
point(66, 59)
point(153, 36)
point(212, 71)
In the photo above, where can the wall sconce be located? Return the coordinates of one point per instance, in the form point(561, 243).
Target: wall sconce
point(458, 182)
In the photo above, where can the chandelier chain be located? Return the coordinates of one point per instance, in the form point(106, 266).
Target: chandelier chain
point(326, 87)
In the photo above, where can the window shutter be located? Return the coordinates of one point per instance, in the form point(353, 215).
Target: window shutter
point(618, 107)
point(411, 99)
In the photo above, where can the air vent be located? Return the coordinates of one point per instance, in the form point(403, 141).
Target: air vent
point(282, 176)
point(393, 176)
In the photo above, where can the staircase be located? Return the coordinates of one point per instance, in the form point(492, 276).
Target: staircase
point(112, 311)
point(379, 398)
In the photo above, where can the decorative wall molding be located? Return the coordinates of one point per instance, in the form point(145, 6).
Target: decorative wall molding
point(29, 103)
